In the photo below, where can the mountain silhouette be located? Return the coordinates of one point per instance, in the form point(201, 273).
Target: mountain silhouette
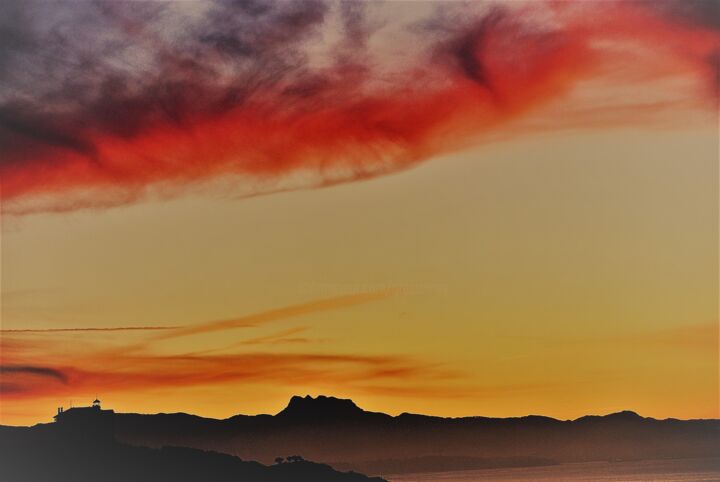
point(341, 434)
point(322, 408)
point(625, 416)
point(338, 432)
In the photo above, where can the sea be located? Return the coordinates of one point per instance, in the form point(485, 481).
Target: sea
point(705, 469)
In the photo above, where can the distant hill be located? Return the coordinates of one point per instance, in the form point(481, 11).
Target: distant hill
point(340, 433)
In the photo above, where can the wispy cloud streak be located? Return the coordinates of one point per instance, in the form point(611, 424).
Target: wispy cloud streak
point(88, 329)
point(278, 314)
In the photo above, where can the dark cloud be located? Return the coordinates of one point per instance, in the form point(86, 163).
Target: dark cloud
point(34, 370)
point(17, 123)
point(131, 74)
point(702, 13)
point(468, 49)
point(698, 14)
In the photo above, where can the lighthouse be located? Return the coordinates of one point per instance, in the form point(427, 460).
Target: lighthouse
point(89, 425)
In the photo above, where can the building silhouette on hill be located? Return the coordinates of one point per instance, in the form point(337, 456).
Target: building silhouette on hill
point(90, 425)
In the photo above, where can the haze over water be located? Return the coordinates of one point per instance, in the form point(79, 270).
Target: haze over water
point(644, 470)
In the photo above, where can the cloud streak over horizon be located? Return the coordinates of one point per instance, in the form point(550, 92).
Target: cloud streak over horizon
point(256, 319)
point(132, 372)
point(105, 104)
point(247, 321)
point(89, 329)
point(137, 366)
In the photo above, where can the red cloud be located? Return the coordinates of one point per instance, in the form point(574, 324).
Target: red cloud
point(138, 372)
point(219, 100)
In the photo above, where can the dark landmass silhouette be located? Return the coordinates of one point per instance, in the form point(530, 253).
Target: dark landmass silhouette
point(41, 454)
point(339, 433)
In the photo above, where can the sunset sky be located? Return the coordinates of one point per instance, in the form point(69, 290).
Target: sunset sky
point(490, 208)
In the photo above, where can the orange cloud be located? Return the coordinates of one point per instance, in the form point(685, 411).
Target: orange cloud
point(284, 336)
point(279, 314)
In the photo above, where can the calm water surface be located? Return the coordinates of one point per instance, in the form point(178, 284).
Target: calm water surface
point(645, 470)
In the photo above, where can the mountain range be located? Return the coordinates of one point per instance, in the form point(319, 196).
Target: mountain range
point(340, 434)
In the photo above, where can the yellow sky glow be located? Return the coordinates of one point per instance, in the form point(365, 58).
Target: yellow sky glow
point(558, 274)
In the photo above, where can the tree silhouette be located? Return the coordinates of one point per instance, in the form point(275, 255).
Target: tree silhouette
point(279, 460)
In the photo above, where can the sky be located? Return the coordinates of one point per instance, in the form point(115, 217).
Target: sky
point(491, 208)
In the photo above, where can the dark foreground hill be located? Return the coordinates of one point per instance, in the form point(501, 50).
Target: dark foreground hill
point(38, 455)
point(338, 432)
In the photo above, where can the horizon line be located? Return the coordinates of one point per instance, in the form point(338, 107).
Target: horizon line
point(528, 415)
